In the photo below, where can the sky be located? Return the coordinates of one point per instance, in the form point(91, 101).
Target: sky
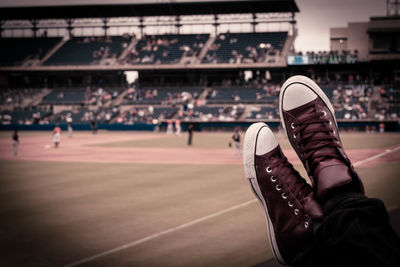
point(313, 21)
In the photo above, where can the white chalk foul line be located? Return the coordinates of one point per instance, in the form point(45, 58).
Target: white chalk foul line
point(170, 230)
point(387, 151)
point(185, 225)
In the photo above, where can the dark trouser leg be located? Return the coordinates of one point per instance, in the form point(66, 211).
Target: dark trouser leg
point(354, 232)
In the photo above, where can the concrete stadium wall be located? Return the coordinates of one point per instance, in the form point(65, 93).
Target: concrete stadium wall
point(390, 126)
point(79, 127)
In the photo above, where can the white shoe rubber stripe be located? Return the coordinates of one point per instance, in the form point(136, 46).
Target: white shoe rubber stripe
point(196, 221)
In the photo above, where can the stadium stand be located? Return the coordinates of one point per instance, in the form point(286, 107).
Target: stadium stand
point(66, 96)
point(179, 76)
point(388, 107)
point(79, 96)
point(145, 114)
point(245, 47)
point(262, 113)
point(239, 95)
point(85, 115)
point(75, 114)
point(25, 116)
point(18, 97)
point(15, 51)
point(159, 95)
point(166, 49)
point(350, 101)
point(88, 50)
point(214, 113)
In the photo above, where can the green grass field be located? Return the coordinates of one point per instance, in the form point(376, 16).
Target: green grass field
point(57, 213)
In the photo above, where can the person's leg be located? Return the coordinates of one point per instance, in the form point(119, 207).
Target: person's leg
point(355, 230)
point(237, 150)
point(15, 146)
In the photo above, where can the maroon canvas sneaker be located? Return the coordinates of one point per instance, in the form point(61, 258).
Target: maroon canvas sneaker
point(309, 120)
point(287, 199)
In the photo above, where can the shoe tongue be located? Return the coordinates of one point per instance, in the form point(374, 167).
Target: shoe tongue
point(275, 154)
point(326, 155)
point(302, 111)
point(326, 164)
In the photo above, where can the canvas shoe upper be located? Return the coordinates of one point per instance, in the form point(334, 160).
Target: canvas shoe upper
point(287, 199)
point(308, 118)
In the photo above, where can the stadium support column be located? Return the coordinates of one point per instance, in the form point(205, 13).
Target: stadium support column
point(69, 27)
point(178, 25)
point(216, 24)
point(387, 8)
point(254, 22)
point(392, 8)
point(141, 26)
point(105, 26)
point(34, 27)
point(294, 31)
point(1, 28)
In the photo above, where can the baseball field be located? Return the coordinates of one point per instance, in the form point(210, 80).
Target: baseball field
point(147, 199)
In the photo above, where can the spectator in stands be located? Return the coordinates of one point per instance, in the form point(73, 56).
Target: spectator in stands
point(60, 95)
point(88, 94)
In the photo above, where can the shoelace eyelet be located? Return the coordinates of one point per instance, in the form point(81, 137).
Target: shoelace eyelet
point(273, 179)
point(292, 125)
point(284, 196)
point(268, 169)
point(278, 188)
point(296, 212)
point(324, 113)
point(290, 204)
point(330, 123)
point(306, 224)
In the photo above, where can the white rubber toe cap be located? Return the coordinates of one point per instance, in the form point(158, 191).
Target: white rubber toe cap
point(258, 140)
point(296, 95)
point(265, 141)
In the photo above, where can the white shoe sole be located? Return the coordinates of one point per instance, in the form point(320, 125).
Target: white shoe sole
point(312, 86)
point(249, 152)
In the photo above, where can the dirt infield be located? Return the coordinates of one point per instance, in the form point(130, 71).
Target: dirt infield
point(83, 148)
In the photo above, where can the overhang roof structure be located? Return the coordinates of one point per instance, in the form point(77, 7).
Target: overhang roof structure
point(147, 9)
